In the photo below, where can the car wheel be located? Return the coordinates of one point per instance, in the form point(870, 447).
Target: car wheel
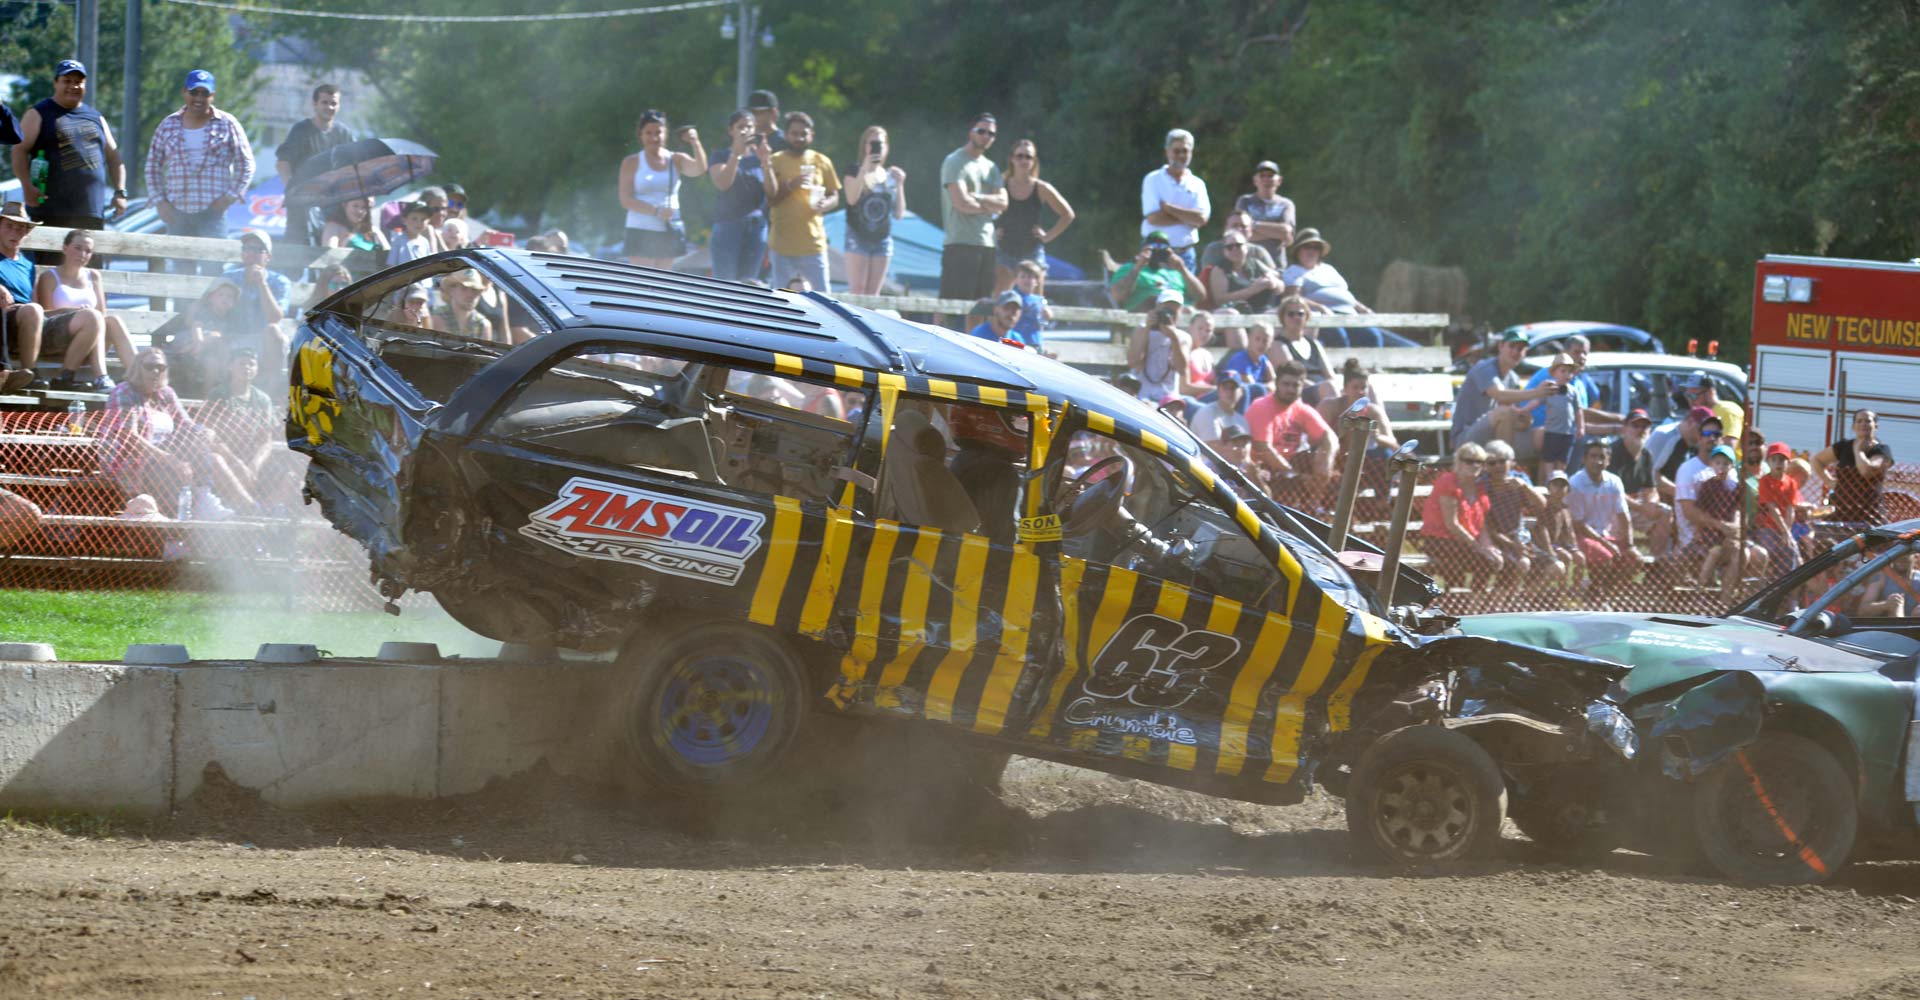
point(1425, 796)
point(1780, 810)
point(716, 707)
point(1572, 815)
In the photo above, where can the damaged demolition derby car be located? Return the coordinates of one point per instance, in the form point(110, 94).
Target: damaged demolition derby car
point(773, 508)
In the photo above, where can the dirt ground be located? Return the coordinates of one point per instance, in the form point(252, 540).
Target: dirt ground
point(1068, 885)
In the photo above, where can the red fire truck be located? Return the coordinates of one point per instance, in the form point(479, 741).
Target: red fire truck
point(1832, 336)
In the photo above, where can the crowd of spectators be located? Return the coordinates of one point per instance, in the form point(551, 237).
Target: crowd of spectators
point(1702, 499)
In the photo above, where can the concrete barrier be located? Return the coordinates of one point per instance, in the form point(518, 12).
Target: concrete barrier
point(86, 737)
point(102, 737)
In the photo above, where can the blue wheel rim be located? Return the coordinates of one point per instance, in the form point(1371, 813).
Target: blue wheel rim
point(716, 709)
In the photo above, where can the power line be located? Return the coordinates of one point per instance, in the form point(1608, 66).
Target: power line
point(457, 18)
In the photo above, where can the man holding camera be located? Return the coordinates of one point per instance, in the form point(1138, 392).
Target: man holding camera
point(1154, 269)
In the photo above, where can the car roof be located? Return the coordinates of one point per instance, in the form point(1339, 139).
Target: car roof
point(1667, 362)
point(735, 319)
point(1566, 327)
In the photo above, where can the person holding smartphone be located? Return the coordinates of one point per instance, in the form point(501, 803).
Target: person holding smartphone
point(876, 195)
point(738, 172)
point(650, 191)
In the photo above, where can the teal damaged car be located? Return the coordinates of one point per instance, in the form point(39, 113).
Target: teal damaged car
point(1772, 743)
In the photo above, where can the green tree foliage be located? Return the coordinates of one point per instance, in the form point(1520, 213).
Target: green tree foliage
point(1608, 159)
point(33, 37)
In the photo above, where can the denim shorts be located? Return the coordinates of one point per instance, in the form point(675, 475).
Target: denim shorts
point(880, 248)
point(1010, 262)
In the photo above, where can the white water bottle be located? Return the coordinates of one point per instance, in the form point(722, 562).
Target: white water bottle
point(183, 509)
point(76, 418)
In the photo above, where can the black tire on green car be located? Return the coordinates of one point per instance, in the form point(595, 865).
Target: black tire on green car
point(1425, 797)
point(1781, 810)
point(716, 707)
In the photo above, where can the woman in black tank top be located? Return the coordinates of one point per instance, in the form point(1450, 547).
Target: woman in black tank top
point(1018, 233)
point(1857, 467)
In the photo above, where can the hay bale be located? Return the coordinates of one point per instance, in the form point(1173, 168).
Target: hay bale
point(1410, 287)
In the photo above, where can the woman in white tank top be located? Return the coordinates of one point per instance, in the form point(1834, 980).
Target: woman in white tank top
point(650, 191)
point(72, 296)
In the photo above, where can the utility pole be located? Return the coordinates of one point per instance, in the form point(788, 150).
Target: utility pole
point(86, 29)
point(129, 137)
point(747, 39)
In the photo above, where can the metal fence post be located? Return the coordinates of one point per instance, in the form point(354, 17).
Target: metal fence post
point(1407, 460)
point(1356, 426)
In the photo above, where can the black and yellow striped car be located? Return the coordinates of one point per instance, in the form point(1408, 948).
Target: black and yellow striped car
point(772, 504)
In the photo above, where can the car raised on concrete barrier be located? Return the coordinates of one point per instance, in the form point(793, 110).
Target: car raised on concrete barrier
point(775, 508)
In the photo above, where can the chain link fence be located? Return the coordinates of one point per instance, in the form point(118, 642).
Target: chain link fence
point(213, 505)
point(1525, 548)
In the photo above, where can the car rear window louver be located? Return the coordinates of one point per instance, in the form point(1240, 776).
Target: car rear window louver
point(588, 285)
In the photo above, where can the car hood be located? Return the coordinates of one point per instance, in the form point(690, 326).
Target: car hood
point(1665, 649)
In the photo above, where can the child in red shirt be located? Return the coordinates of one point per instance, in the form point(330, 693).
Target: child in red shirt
point(1779, 503)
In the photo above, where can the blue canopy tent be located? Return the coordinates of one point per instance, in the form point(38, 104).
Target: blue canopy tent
point(916, 252)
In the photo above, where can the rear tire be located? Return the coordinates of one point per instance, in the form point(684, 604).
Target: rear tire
point(1780, 810)
point(715, 708)
point(1425, 797)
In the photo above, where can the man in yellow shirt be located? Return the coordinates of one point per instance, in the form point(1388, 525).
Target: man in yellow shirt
point(1700, 392)
point(801, 187)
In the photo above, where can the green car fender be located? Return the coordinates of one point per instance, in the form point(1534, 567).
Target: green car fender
point(1862, 718)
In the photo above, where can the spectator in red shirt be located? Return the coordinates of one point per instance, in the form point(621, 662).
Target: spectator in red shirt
point(1779, 504)
point(1293, 440)
point(1453, 522)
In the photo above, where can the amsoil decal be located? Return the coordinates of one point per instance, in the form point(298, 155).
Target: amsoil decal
point(669, 534)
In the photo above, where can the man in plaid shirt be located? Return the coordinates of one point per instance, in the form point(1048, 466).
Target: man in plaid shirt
point(200, 163)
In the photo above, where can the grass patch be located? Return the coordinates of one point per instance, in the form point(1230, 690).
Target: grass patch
point(101, 624)
point(74, 824)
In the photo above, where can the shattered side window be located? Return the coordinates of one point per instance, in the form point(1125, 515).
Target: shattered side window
point(1123, 505)
point(784, 436)
point(616, 407)
point(955, 466)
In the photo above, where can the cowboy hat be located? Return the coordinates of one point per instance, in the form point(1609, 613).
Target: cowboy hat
point(16, 211)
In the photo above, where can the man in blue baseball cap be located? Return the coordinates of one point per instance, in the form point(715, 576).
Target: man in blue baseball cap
point(82, 177)
point(199, 164)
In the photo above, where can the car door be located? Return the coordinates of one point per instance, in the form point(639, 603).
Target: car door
point(954, 614)
point(616, 482)
point(1190, 644)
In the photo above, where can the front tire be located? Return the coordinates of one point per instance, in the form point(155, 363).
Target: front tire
point(715, 708)
point(1425, 797)
point(1780, 810)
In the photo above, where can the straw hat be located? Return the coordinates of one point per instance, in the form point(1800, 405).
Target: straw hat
point(16, 211)
point(1311, 238)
